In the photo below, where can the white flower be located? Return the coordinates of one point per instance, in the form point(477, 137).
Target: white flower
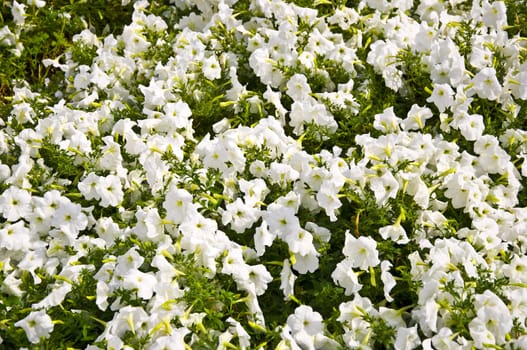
point(298, 88)
point(384, 187)
point(23, 112)
point(486, 84)
point(15, 237)
point(481, 57)
point(262, 238)
point(55, 297)
point(18, 11)
point(33, 259)
point(131, 260)
point(263, 66)
point(255, 190)
point(111, 158)
point(518, 85)
point(37, 325)
point(387, 121)
point(149, 225)
point(239, 215)
point(493, 319)
point(176, 340)
point(110, 191)
point(517, 269)
point(307, 262)
point(128, 318)
point(457, 189)
point(258, 168)
point(281, 173)
point(287, 280)
point(15, 204)
point(155, 93)
point(387, 279)
point(300, 241)
point(394, 232)
point(361, 251)
point(305, 319)
point(416, 118)
point(407, 338)
point(259, 278)
point(310, 111)
point(134, 40)
point(471, 126)
point(327, 198)
point(11, 285)
point(442, 96)
point(480, 333)
point(211, 68)
point(494, 14)
point(518, 298)
point(427, 315)
point(344, 276)
point(179, 112)
point(274, 98)
point(494, 160)
point(143, 283)
point(281, 220)
point(70, 219)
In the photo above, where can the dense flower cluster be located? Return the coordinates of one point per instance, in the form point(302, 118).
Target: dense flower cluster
point(254, 174)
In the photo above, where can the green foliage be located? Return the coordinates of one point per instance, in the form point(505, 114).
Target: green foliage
point(204, 98)
point(47, 33)
point(416, 80)
point(516, 17)
point(463, 39)
point(383, 334)
point(60, 161)
point(71, 329)
point(82, 53)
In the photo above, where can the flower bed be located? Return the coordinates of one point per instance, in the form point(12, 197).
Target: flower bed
point(263, 174)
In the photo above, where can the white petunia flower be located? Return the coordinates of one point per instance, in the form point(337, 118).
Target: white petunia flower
point(327, 198)
point(307, 262)
point(299, 242)
point(15, 203)
point(211, 68)
point(407, 338)
point(18, 11)
point(259, 278)
point(305, 319)
point(281, 220)
point(361, 251)
point(387, 279)
point(262, 238)
point(486, 84)
point(387, 121)
point(494, 14)
point(344, 276)
point(416, 118)
point(143, 283)
point(298, 88)
point(70, 219)
point(287, 280)
point(442, 96)
point(239, 215)
point(37, 325)
point(16, 237)
point(394, 232)
point(384, 187)
point(110, 191)
point(134, 40)
point(471, 126)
